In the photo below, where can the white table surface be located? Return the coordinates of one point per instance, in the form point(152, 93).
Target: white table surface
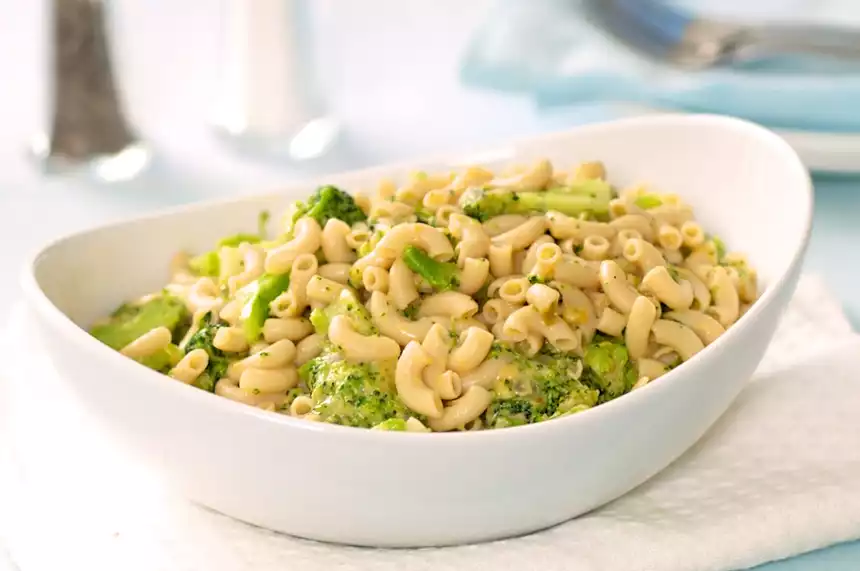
point(391, 73)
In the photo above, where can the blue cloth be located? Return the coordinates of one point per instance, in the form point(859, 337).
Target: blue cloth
point(547, 49)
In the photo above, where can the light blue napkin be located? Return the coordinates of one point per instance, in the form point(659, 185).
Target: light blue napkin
point(546, 48)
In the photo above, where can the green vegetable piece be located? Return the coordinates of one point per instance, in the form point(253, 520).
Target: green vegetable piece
point(535, 389)
point(353, 394)
point(609, 368)
point(647, 201)
point(320, 320)
point(367, 247)
point(482, 296)
point(364, 249)
point(260, 293)
point(163, 360)
point(326, 203)
point(440, 275)
point(411, 311)
point(206, 264)
point(204, 381)
point(236, 239)
point(397, 424)
point(203, 339)
point(347, 305)
point(130, 322)
point(590, 196)
point(425, 216)
point(720, 247)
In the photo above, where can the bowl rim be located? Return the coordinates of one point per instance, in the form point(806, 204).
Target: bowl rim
point(38, 300)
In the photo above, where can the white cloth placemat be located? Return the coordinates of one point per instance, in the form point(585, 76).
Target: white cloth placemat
point(777, 476)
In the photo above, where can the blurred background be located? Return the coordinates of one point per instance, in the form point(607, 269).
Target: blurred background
point(215, 94)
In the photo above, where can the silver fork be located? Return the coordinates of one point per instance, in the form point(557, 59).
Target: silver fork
point(691, 42)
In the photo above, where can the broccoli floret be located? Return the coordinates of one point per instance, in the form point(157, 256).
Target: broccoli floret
point(591, 196)
point(535, 389)
point(353, 394)
point(440, 275)
point(129, 321)
point(326, 203)
point(218, 361)
point(608, 367)
point(347, 305)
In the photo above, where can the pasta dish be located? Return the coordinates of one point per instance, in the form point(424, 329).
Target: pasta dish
point(458, 301)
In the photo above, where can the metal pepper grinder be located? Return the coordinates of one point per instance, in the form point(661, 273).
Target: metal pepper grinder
point(87, 129)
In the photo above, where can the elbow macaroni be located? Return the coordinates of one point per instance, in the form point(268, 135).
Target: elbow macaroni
point(679, 337)
point(463, 410)
point(391, 324)
point(401, 285)
point(677, 295)
point(448, 304)
point(473, 275)
point(190, 367)
point(474, 345)
point(333, 241)
point(361, 348)
point(264, 317)
point(523, 235)
point(308, 236)
point(437, 345)
point(410, 385)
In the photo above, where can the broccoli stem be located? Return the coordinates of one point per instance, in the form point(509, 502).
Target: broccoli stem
point(566, 203)
point(440, 275)
point(261, 292)
point(588, 196)
point(596, 188)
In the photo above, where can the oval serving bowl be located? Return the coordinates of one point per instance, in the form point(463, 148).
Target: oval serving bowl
point(376, 488)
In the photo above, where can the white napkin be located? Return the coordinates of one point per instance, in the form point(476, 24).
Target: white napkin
point(777, 476)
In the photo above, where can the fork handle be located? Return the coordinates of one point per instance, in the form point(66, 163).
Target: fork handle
point(756, 42)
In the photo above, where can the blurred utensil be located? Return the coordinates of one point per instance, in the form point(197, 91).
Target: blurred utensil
point(270, 101)
point(693, 42)
point(88, 129)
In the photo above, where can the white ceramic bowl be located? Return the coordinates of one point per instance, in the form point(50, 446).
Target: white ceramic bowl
point(400, 489)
